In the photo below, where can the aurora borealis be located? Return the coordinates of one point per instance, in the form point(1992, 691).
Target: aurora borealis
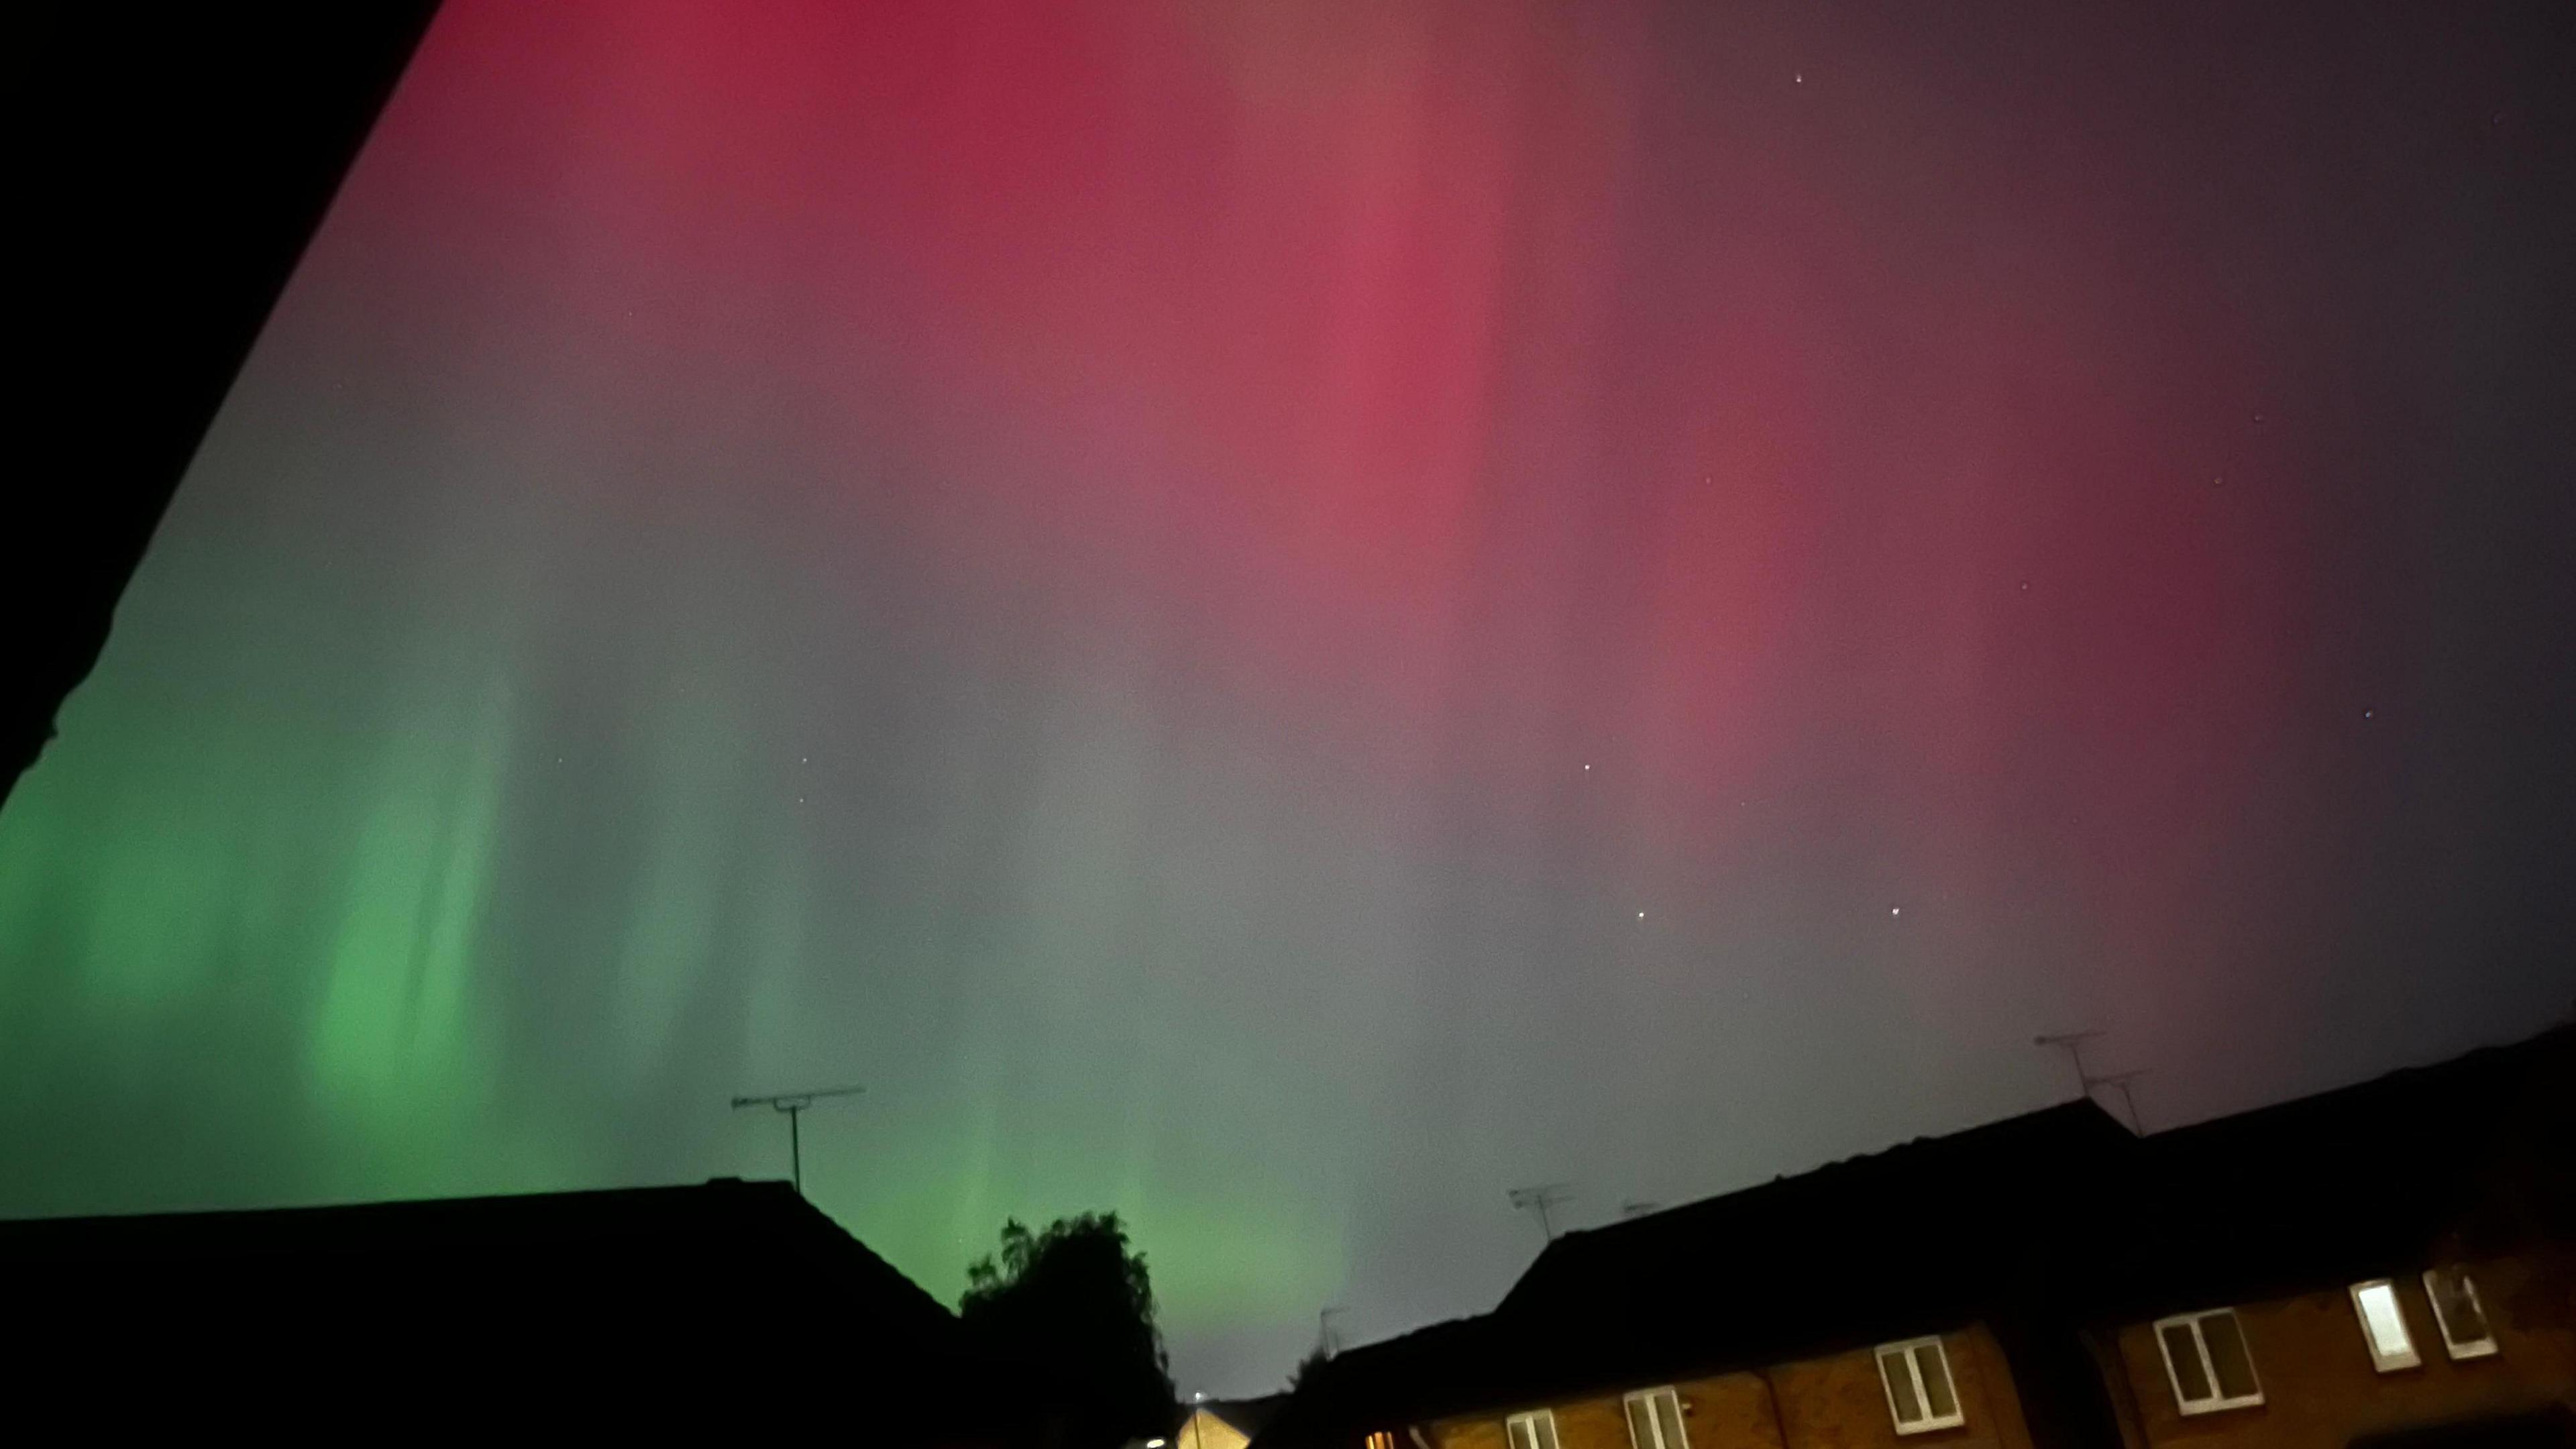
point(1282, 617)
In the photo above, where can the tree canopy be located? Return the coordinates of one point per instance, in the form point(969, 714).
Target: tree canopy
point(1073, 1307)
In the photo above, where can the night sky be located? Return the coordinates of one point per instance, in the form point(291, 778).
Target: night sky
point(1284, 617)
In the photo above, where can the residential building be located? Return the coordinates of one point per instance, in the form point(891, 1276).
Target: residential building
point(2392, 1259)
point(2369, 1261)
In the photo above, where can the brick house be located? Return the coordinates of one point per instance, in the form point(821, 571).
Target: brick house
point(2389, 1259)
point(2361, 1263)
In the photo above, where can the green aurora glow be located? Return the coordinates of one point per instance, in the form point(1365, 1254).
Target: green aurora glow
point(1278, 627)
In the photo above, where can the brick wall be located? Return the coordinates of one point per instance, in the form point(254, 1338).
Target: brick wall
point(1834, 1402)
point(1838, 1402)
point(2319, 1388)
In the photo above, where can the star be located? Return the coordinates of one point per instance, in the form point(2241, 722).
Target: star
point(1641, 915)
point(1587, 767)
point(2367, 713)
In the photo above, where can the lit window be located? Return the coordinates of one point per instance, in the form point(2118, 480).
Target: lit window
point(2206, 1360)
point(1655, 1420)
point(1533, 1430)
point(2383, 1326)
point(1382, 1439)
point(2463, 1320)
point(1916, 1374)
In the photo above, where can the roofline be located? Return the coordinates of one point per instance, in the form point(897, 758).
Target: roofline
point(388, 1206)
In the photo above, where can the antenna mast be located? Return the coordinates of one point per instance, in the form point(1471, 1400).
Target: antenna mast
point(794, 1105)
point(2072, 1042)
point(1541, 1199)
point(2122, 1080)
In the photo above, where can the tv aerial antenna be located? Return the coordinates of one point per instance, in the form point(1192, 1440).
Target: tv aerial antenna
point(794, 1105)
point(2072, 1043)
point(2122, 1080)
point(1542, 1200)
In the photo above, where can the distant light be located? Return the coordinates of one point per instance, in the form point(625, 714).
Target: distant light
point(1153, 1444)
point(1641, 915)
point(1896, 910)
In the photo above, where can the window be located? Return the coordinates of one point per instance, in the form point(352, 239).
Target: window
point(2456, 1310)
point(2383, 1326)
point(1916, 1374)
point(1533, 1430)
point(1655, 1420)
point(2206, 1360)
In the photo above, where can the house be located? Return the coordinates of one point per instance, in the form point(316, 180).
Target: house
point(625, 1305)
point(2364, 1262)
point(1761, 1311)
point(2375, 1262)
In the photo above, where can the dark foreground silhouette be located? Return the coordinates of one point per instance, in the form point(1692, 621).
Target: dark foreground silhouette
point(729, 1303)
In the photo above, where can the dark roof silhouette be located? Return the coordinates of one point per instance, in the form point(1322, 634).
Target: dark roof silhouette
point(721, 1233)
point(2459, 1158)
point(1921, 1237)
point(1430, 1372)
point(2032, 1225)
point(622, 1215)
point(191, 159)
point(694, 1287)
point(1869, 1224)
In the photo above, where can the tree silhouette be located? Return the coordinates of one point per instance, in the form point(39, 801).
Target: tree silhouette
point(1072, 1309)
point(1308, 1366)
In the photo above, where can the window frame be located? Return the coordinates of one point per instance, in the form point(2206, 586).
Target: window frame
point(1533, 1418)
point(2218, 1402)
point(1647, 1397)
point(1907, 1349)
point(2406, 1356)
point(2457, 1348)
